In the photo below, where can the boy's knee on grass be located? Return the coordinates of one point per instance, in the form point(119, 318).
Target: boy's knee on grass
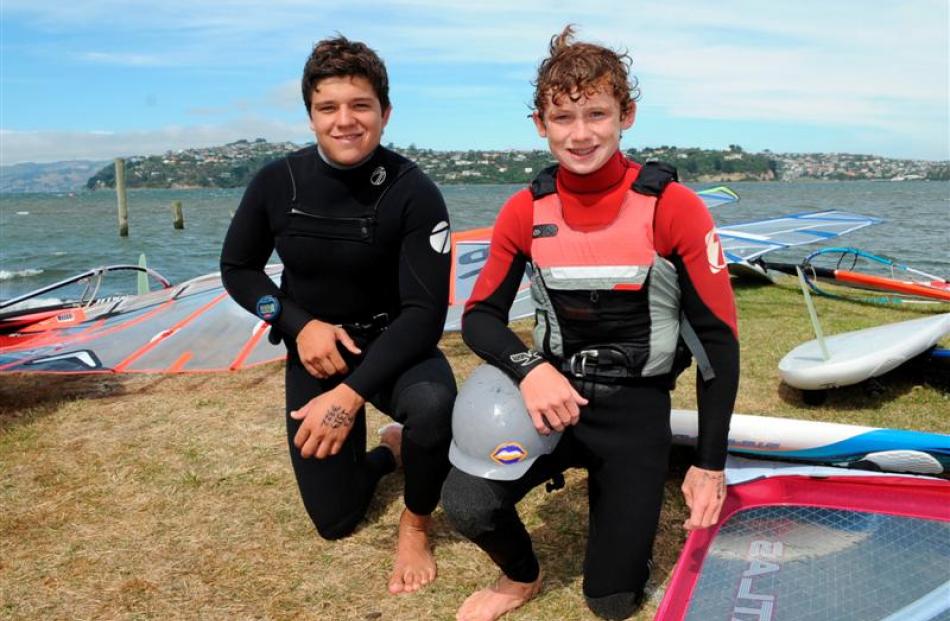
point(469, 503)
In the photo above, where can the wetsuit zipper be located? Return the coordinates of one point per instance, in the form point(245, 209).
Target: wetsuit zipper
point(337, 224)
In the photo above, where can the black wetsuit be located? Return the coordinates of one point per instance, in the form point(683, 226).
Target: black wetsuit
point(362, 247)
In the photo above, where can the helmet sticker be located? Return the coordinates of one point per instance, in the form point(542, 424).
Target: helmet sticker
point(441, 238)
point(717, 262)
point(508, 453)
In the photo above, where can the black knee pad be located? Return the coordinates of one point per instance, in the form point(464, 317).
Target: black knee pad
point(338, 529)
point(335, 531)
point(335, 526)
point(469, 503)
point(615, 607)
point(426, 410)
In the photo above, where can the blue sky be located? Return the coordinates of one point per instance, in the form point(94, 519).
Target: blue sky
point(98, 79)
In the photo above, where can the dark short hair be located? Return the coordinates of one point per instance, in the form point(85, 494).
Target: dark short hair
point(340, 57)
point(579, 69)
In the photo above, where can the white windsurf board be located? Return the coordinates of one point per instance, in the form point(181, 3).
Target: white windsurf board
point(862, 354)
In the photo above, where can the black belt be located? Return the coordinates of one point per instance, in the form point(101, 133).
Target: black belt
point(606, 366)
point(363, 330)
point(370, 328)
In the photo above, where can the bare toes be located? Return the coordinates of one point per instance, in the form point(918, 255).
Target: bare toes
point(396, 586)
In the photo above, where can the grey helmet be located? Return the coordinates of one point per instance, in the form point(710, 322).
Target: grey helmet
point(492, 434)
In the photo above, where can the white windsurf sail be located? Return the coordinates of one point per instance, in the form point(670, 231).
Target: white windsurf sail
point(835, 548)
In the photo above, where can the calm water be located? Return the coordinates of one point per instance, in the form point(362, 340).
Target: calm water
point(47, 237)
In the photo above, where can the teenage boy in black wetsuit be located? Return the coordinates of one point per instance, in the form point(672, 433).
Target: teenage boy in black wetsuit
point(363, 237)
point(619, 251)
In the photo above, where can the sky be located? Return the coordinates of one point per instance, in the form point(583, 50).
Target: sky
point(97, 79)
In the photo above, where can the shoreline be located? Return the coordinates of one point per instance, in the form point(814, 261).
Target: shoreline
point(470, 182)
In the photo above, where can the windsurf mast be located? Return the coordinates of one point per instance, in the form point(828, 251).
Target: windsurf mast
point(926, 608)
point(141, 282)
point(813, 314)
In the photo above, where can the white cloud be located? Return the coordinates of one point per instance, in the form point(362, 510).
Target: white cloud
point(53, 146)
point(285, 96)
point(453, 92)
point(131, 60)
point(881, 66)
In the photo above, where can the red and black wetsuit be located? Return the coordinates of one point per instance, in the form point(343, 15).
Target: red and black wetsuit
point(623, 436)
point(363, 247)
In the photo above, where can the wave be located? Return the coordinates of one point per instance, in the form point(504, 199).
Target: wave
point(33, 303)
point(13, 275)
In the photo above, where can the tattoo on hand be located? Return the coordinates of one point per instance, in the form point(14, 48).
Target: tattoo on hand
point(337, 417)
point(721, 478)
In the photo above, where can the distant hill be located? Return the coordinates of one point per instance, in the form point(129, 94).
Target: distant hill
point(53, 177)
point(228, 166)
point(708, 165)
point(234, 164)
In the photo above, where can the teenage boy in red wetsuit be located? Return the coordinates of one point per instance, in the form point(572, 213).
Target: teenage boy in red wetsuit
point(619, 252)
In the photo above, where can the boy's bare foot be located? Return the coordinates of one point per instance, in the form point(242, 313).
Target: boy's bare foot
point(497, 600)
point(415, 563)
point(390, 436)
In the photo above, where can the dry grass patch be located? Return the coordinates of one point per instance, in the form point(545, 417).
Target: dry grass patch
point(146, 497)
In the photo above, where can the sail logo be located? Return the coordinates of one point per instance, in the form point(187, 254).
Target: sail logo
point(378, 177)
point(525, 358)
point(762, 561)
point(441, 238)
point(508, 453)
point(717, 262)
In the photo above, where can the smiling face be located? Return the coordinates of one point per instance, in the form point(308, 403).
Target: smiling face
point(347, 118)
point(583, 132)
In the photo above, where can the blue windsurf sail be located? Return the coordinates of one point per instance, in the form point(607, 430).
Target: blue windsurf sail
point(742, 243)
point(721, 195)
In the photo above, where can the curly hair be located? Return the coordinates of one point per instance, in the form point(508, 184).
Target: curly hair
point(339, 57)
point(579, 70)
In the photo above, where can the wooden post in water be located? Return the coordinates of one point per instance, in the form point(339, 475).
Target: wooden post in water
point(120, 195)
point(177, 216)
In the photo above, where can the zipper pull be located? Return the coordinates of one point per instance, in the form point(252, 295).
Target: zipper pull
point(594, 296)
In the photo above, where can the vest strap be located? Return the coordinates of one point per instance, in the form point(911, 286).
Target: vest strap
point(544, 183)
point(654, 177)
point(696, 348)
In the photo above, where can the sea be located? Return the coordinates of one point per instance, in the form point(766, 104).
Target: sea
point(45, 238)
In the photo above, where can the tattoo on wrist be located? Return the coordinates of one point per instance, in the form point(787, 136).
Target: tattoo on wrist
point(337, 417)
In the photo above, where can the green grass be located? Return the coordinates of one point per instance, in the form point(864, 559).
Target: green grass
point(151, 497)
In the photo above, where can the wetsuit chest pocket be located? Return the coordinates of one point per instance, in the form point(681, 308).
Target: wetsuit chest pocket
point(304, 224)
